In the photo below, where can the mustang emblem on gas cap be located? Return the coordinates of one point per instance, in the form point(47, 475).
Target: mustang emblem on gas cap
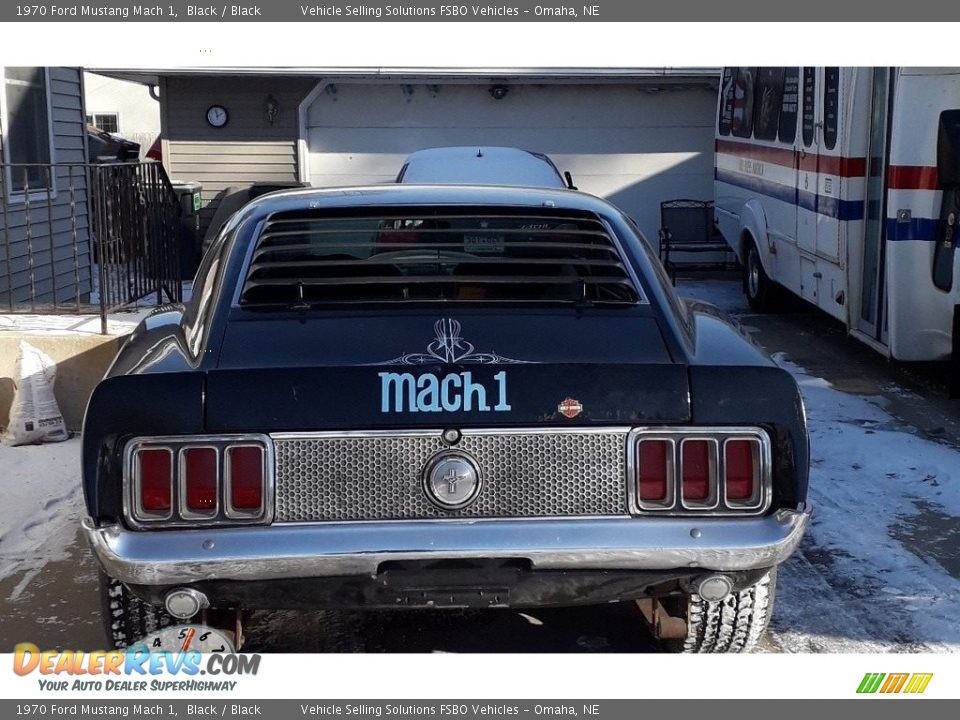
point(451, 480)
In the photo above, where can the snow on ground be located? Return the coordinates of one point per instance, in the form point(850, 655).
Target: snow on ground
point(42, 501)
point(69, 324)
point(120, 322)
point(878, 570)
point(881, 496)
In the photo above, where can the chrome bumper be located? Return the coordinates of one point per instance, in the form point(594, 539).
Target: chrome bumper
point(357, 548)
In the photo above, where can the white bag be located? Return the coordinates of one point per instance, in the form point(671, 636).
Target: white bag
point(35, 416)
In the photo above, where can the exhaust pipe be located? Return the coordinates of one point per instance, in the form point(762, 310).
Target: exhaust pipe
point(713, 588)
point(184, 603)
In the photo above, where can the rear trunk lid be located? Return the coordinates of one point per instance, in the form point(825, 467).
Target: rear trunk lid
point(357, 371)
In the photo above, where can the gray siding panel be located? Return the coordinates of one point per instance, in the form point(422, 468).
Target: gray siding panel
point(248, 149)
point(70, 240)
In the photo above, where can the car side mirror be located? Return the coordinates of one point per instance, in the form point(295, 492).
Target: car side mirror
point(948, 174)
point(569, 178)
point(948, 148)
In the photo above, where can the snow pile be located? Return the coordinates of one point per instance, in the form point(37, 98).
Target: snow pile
point(881, 496)
point(42, 504)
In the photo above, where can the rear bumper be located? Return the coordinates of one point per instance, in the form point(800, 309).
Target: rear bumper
point(328, 550)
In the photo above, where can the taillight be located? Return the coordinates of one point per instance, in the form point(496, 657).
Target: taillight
point(189, 481)
point(654, 471)
point(245, 478)
point(199, 480)
point(696, 470)
point(741, 462)
point(693, 470)
point(155, 471)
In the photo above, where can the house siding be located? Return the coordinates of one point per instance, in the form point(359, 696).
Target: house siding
point(248, 149)
point(45, 245)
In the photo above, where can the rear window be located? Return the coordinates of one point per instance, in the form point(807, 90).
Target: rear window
point(436, 255)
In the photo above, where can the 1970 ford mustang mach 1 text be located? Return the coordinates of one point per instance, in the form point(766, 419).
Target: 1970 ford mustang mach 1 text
point(441, 396)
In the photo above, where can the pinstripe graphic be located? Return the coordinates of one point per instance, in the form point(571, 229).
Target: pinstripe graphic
point(894, 683)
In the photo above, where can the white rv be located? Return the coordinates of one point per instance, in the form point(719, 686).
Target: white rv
point(842, 185)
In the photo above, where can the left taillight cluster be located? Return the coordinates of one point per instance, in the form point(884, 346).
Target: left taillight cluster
point(194, 481)
point(700, 470)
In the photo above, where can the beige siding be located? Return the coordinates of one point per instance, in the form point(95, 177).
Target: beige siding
point(248, 149)
point(31, 256)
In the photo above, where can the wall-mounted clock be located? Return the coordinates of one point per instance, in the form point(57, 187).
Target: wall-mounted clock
point(217, 116)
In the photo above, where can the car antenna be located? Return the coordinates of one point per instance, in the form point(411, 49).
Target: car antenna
point(479, 152)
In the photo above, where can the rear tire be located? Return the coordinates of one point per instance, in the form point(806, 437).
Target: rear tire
point(732, 625)
point(127, 618)
point(757, 286)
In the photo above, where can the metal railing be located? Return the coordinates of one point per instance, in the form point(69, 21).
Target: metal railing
point(87, 238)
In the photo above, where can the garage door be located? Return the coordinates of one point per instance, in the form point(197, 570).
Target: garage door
point(632, 144)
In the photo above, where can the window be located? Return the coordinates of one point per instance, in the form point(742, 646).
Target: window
point(767, 100)
point(27, 130)
point(788, 110)
point(437, 254)
point(108, 122)
point(742, 119)
point(831, 106)
point(809, 104)
point(726, 101)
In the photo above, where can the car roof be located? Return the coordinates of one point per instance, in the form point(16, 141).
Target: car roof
point(393, 195)
point(481, 165)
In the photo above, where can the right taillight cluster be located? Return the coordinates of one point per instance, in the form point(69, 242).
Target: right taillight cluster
point(700, 470)
point(191, 481)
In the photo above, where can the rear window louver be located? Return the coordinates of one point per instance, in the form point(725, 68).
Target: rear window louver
point(436, 255)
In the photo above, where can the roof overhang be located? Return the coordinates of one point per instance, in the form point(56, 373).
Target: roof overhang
point(646, 75)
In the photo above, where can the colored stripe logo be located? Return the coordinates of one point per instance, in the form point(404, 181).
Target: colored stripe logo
point(893, 683)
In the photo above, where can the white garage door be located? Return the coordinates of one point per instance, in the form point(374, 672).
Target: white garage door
point(630, 144)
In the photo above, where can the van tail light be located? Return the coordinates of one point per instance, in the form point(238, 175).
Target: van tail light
point(191, 481)
point(696, 470)
point(741, 462)
point(199, 480)
point(654, 471)
point(245, 477)
point(155, 492)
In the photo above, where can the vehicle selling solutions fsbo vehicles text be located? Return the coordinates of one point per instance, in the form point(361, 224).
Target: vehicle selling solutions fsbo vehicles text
point(416, 11)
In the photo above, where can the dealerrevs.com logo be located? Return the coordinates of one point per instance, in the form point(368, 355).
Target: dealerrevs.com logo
point(152, 664)
point(894, 683)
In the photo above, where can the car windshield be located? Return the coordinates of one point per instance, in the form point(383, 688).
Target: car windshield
point(437, 255)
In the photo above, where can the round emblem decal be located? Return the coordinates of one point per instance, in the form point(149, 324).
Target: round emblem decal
point(451, 480)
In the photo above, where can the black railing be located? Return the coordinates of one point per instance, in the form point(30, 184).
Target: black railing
point(87, 238)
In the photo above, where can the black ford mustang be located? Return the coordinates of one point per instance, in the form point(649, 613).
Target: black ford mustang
point(429, 396)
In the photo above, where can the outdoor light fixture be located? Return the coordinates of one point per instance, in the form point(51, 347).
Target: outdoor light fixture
point(498, 92)
point(272, 109)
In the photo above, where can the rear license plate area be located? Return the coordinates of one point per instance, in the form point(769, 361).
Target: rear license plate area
point(448, 584)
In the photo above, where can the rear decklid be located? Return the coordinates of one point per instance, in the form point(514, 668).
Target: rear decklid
point(437, 315)
point(360, 371)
